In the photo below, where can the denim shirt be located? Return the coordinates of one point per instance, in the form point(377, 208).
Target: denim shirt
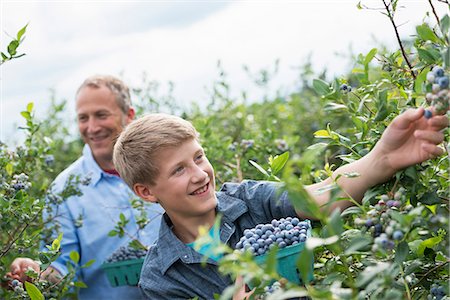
point(173, 270)
point(102, 202)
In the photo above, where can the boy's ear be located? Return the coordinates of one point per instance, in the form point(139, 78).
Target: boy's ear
point(143, 191)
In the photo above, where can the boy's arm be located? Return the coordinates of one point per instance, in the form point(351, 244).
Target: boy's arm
point(408, 140)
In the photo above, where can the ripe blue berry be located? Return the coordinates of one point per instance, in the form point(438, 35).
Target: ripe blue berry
point(438, 71)
point(443, 82)
point(397, 235)
point(427, 114)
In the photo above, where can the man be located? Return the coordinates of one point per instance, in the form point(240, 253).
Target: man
point(103, 109)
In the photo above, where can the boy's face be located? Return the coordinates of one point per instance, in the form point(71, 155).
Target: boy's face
point(185, 186)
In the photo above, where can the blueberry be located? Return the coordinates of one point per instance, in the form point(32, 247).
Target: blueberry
point(438, 71)
point(397, 235)
point(443, 82)
point(427, 114)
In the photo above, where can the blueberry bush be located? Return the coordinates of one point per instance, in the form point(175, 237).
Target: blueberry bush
point(394, 245)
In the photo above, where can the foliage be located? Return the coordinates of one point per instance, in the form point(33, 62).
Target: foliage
point(394, 245)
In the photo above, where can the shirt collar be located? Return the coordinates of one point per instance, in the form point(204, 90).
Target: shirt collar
point(95, 172)
point(172, 249)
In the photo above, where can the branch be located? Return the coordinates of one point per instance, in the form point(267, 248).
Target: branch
point(391, 17)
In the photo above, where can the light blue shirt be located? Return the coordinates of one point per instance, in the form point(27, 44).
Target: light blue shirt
point(100, 206)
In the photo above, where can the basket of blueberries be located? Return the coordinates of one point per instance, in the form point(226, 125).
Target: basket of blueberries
point(124, 266)
point(288, 234)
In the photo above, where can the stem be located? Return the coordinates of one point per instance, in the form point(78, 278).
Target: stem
point(391, 18)
point(238, 168)
point(408, 291)
point(434, 12)
point(430, 271)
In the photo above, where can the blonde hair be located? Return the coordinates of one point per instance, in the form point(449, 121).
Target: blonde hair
point(115, 85)
point(139, 143)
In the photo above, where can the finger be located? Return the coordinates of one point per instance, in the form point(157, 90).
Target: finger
point(433, 150)
point(439, 122)
point(404, 120)
point(433, 137)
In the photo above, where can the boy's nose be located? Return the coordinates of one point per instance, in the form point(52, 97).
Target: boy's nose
point(200, 175)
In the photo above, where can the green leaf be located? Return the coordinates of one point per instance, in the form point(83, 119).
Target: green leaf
point(318, 146)
point(322, 134)
point(44, 258)
point(30, 107)
point(428, 56)
point(88, 264)
point(253, 163)
point(80, 284)
point(351, 210)
point(445, 24)
point(370, 56)
point(279, 162)
point(122, 218)
point(426, 33)
point(9, 168)
point(420, 79)
point(358, 243)
point(304, 265)
point(56, 244)
point(428, 243)
point(321, 87)
point(401, 252)
point(21, 32)
point(430, 198)
point(74, 256)
point(33, 291)
point(4, 56)
point(12, 47)
point(26, 115)
point(335, 106)
point(112, 233)
point(369, 273)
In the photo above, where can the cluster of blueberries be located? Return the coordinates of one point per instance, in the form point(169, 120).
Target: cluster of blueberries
point(272, 288)
point(283, 232)
point(17, 286)
point(126, 253)
point(345, 88)
point(20, 182)
point(437, 292)
point(439, 97)
point(384, 229)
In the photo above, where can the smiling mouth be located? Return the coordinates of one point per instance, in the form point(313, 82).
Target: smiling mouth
point(201, 190)
point(97, 138)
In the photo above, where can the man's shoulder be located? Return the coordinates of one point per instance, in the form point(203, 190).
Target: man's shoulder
point(77, 168)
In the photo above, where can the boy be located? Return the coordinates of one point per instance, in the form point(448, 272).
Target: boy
point(160, 158)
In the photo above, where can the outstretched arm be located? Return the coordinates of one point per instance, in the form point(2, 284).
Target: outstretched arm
point(408, 140)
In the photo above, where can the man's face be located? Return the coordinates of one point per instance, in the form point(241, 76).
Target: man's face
point(185, 185)
point(100, 121)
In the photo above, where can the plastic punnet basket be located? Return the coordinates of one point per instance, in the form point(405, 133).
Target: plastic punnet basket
point(287, 260)
point(125, 272)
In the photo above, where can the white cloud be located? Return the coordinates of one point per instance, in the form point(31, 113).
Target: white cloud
point(181, 42)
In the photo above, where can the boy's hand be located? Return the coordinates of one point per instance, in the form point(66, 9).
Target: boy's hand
point(241, 293)
point(410, 139)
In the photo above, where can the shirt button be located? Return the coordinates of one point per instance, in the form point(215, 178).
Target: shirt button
point(185, 257)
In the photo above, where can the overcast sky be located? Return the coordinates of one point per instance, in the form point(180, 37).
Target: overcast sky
point(181, 41)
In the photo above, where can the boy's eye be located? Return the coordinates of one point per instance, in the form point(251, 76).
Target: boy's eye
point(82, 118)
point(199, 157)
point(178, 170)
